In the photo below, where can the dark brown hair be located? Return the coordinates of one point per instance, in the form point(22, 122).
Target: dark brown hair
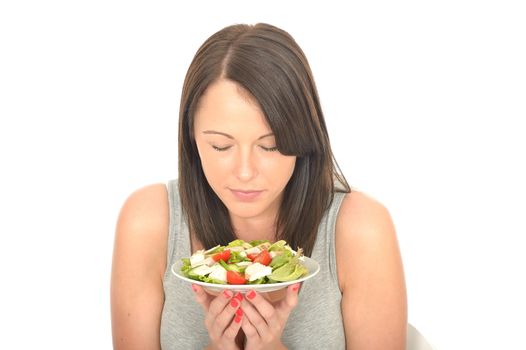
point(268, 63)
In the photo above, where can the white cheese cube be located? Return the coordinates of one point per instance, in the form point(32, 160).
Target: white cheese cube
point(208, 261)
point(236, 249)
point(253, 250)
point(197, 258)
point(218, 273)
point(256, 271)
point(201, 270)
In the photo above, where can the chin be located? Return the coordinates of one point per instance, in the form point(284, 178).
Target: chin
point(244, 210)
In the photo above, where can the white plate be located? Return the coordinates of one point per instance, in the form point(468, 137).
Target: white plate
point(309, 263)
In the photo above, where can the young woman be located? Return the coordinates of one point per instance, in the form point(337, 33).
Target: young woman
point(255, 162)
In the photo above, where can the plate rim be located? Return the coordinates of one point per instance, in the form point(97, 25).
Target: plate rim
point(268, 287)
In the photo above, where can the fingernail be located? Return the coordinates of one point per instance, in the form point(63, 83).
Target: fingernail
point(194, 287)
point(238, 319)
point(239, 296)
point(239, 312)
point(227, 294)
point(296, 287)
point(234, 303)
point(251, 295)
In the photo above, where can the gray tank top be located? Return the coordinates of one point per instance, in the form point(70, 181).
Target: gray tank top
point(315, 323)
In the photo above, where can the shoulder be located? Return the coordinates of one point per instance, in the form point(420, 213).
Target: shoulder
point(370, 274)
point(142, 226)
point(364, 232)
point(359, 211)
point(139, 262)
point(146, 206)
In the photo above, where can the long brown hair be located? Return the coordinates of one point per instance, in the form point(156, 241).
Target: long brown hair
point(268, 63)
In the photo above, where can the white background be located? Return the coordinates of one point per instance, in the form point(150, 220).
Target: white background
point(424, 102)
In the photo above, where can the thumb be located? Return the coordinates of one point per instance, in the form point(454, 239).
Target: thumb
point(202, 297)
point(291, 298)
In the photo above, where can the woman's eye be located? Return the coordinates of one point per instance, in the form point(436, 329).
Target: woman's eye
point(270, 149)
point(221, 149)
point(267, 149)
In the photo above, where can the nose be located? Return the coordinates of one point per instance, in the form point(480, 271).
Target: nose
point(246, 168)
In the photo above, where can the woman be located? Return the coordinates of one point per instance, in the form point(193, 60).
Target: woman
point(255, 162)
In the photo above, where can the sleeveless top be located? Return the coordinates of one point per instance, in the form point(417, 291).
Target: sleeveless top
point(316, 321)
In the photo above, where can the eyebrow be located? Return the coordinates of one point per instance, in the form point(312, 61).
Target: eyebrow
point(230, 136)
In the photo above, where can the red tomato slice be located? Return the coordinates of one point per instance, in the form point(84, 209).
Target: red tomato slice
point(263, 258)
point(233, 277)
point(224, 255)
point(251, 256)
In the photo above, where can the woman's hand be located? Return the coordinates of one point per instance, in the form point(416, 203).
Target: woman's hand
point(223, 317)
point(264, 322)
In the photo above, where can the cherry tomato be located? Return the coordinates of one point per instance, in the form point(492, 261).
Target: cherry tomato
point(224, 255)
point(233, 277)
point(251, 256)
point(263, 258)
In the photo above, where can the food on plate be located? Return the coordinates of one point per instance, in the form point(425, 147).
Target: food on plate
point(240, 262)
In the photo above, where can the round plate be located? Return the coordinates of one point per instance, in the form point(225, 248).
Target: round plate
point(309, 263)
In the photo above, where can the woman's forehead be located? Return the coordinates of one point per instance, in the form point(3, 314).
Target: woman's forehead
point(220, 91)
point(224, 104)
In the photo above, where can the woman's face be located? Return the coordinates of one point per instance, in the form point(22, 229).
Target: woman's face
point(238, 152)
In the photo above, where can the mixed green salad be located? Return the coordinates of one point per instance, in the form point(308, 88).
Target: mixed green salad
point(240, 262)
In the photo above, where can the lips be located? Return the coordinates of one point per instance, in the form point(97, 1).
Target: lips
point(245, 195)
point(244, 191)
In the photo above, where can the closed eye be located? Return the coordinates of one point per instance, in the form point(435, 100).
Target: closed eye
point(267, 149)
point(221, 149)
point(270, 149)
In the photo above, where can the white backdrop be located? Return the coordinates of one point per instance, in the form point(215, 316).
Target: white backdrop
point(424, 102)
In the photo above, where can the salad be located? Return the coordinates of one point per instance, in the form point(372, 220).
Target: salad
point(240, 262)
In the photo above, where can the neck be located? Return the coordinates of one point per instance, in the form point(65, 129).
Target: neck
point(254, 228)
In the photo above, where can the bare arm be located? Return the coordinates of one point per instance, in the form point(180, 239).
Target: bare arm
point(370, 271)
point(139, 261)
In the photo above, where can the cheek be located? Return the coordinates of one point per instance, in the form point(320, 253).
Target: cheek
point(282, 170)
point(213, 166)
point(289, 168)
point(210, 166)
